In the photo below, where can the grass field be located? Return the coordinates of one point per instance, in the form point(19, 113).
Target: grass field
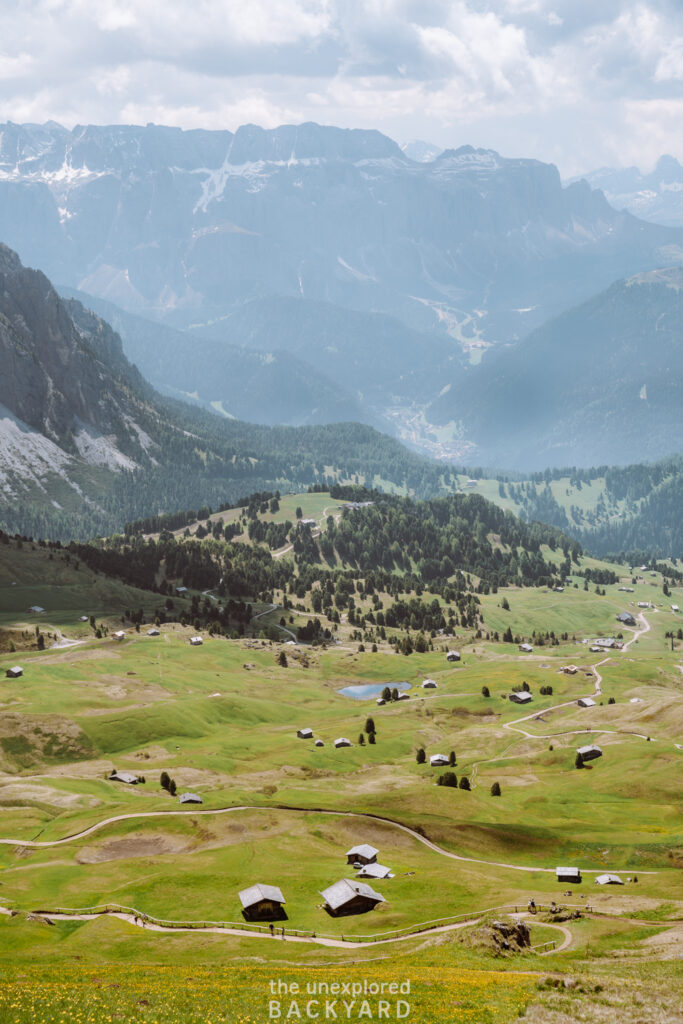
point(221, 719)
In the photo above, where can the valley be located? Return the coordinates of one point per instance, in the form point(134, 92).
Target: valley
point(221, 720)
point(341, 546)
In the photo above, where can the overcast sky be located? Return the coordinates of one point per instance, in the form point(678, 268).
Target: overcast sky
point(583, 83)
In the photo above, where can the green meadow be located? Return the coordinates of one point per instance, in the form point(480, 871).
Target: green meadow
point(221, 719)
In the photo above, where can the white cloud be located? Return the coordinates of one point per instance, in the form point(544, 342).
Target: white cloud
point(573, 79)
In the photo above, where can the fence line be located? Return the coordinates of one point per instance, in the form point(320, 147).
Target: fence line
point(425, 926)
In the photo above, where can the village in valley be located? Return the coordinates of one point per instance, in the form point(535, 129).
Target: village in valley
point(503, 784)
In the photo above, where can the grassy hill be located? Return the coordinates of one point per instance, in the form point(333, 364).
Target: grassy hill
point(221, 720)
point(610, 509)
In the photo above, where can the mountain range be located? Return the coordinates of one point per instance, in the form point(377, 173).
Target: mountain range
point(603, 383)
point(656, 196)
point(86, 443)
point(309, 275)
point(187, 226)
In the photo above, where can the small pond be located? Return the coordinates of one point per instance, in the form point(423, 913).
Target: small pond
point(367, 690)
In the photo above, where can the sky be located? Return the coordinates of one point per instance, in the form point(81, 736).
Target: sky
point(581, 83)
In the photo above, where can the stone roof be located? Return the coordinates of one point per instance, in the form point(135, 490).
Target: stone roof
point(364, 850)
point(344, 891)
point(256, 893)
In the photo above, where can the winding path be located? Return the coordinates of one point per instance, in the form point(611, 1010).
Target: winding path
point(277, 625)
point(596, 693)
point(243, 933)
point(42, 844)
point(514, 725)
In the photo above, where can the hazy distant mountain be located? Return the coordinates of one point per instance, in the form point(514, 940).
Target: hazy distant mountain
point(421, 152)
point(268, 387)
point(188, 226)
point(657, 197)
point(371, 355)
point(86, 442)
point(600, 384)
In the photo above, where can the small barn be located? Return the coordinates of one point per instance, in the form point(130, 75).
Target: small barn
point(429, 684)
point(14, 672)
point(525, 648)
point(181, 590)
point(589, 752)
point(375, 871)
point(523, 697)
point(675, 608)
point(608, 880)
point(119, 634)
point(342, 742)
point(643, 604)
point(380, 701)
point(262, 903)
point(363, 854)
point(82, 618)
point(453, 656)
point(190, 798)
point(196, 641)
point(350, 897)
point(626, 619)
point(570, 670)
point(572, 875)
point(319, 743)
point(153, 631)
point(36, 609)
point(305, 734)
point(586, 702)
point(128, 777)
point(404, 696)
point(438, 761)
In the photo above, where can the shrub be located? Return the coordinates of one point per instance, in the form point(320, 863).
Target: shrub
point(448, 779)
point(485, 692)
point(464, 783)
point(421, 757)
point(495, 789)
point(578, 760)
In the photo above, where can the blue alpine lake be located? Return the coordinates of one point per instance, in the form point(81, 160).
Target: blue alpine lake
point(366, 690)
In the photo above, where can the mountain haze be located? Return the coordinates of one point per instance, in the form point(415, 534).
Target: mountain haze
point(657, 196)
point(186, 226)
point(86, 442)
point(601, 384)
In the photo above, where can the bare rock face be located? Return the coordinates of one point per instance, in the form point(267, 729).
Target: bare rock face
point(64, 372)
point(511, 936)
point(191, 224)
